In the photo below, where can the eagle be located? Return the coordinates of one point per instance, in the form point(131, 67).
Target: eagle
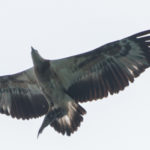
point(55, 88)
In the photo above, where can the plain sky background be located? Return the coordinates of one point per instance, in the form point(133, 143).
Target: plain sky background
point(60, 28)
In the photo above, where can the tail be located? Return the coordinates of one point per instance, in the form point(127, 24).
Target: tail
point(71, 121)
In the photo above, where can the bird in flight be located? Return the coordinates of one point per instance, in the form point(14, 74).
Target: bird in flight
point(55, 88)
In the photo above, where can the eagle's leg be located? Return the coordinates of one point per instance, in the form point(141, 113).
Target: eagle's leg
point(50, 117)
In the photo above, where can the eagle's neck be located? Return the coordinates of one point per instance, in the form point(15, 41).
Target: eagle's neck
point(41, 66)
point(36, 58)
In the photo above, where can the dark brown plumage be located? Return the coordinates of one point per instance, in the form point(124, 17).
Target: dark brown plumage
point(55, 87)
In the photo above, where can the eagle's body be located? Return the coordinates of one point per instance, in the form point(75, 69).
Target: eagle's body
point(60, 103)
point(55, 87)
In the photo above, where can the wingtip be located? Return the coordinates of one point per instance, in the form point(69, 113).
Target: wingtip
point(140, 34)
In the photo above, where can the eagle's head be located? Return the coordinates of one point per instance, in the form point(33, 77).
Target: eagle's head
point(36, 58)
point(40, 64)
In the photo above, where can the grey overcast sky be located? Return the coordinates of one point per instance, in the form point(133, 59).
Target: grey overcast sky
point(60, 28)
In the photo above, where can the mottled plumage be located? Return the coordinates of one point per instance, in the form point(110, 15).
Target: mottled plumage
point(55, 87)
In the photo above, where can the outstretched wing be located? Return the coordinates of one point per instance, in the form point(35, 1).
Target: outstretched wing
point(20, 96)
point(107, 69)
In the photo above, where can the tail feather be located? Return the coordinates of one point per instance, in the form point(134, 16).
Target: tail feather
point(69, 123)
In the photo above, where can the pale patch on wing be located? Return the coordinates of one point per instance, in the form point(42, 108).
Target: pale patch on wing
point(8, 109)
point(131, 71)
point(135, 67)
